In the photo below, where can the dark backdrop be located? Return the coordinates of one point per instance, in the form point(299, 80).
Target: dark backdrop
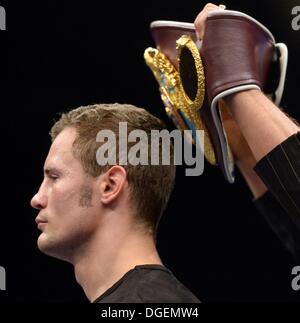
point(57, 55)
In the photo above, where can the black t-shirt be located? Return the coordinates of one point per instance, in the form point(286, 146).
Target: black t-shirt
point(148, 284)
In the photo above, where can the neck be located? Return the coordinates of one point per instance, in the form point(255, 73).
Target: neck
point(104, 261)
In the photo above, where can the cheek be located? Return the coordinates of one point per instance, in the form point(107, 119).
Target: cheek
point(70, 204)
point(62, 199)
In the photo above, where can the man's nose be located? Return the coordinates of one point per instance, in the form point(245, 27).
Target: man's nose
point(39, 200)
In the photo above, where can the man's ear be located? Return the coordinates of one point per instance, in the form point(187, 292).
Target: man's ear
point(112, 183)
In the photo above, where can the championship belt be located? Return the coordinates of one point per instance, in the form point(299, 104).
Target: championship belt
point(236, 54)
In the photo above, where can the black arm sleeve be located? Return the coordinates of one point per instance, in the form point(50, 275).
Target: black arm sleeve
point(280, 171)
point(280, 223)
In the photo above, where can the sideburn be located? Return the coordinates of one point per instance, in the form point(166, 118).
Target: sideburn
point(85, 197)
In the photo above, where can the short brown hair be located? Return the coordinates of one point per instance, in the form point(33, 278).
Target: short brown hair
point(150, 185)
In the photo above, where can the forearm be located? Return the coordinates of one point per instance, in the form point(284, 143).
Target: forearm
point(263, 125)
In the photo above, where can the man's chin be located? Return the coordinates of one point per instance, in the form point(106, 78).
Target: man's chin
point(51, 248)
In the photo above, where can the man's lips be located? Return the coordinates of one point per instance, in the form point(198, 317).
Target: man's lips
point(40, 222)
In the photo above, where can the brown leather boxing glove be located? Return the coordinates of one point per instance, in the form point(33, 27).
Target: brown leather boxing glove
point(236, 54)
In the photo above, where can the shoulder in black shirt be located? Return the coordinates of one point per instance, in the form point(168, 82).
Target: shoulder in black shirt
point(148, 284)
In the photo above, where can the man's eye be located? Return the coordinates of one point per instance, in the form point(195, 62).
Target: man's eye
point(53, 177)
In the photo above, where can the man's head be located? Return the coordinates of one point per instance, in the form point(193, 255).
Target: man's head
point(77, 191)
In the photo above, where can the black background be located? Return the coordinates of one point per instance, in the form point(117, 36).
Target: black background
point(57, 55)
